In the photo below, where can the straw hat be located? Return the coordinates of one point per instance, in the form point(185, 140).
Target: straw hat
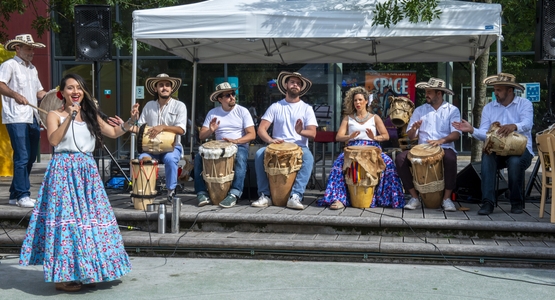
point(221, 88)
point(284, 76)
point(25, 39)
point(503, 79)
point(435, 84)
point(150, 83)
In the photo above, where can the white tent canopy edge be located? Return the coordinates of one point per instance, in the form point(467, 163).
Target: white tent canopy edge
point(310, 31)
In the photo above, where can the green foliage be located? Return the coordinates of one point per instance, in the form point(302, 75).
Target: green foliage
point(392, 11)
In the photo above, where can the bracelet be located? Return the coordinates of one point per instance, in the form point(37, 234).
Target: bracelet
point(123, 127)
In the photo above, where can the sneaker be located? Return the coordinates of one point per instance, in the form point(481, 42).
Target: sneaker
point(202, 200)
point(229, 201)
point(294, 202)
point(448, 205)
point(263, 201)
point(14, 201)
point(414, 203)
point(25, 202)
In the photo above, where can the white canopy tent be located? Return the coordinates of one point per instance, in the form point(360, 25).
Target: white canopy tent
point(311, 31)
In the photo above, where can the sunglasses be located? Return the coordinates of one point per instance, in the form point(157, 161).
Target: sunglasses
point(228, 95)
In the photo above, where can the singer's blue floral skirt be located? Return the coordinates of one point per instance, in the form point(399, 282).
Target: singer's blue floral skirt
point(73, 232)
point(388, 193)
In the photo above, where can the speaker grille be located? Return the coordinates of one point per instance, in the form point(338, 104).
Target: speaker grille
point(93, 32)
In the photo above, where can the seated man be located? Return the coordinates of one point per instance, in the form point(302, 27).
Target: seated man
point(295, 122)
point(514, 114)
point(165, 113)
point(431, 122)
point(232, 123)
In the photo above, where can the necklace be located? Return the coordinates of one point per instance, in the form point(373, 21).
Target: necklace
point(362, 120)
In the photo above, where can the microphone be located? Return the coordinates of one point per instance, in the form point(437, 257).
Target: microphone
point(74, 113)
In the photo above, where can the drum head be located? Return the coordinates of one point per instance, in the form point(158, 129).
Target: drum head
point(140, 134)
point(283, 146)
point(48, 103)
point(361, 148)
point(216, 144)
point(217, 149)
point(425, 150)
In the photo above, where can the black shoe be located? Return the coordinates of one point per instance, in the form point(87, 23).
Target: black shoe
point(487, 208)
point(516, 209)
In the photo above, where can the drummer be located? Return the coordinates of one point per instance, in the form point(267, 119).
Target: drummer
point(165, 113)
point(514, 113)
point(232, 123)
point(431, 122)
point(293, 121)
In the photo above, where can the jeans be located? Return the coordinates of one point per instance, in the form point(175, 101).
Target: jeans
point(516, 168)
point(303, 175)
point(25, 139)
point(170, 161)
point(240, 169)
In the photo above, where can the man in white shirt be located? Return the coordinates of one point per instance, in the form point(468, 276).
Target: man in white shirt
point(165, 114)
point(20, 86)
point(514, 114)
point(293, 121)
point(431, 122)
point(232, 123)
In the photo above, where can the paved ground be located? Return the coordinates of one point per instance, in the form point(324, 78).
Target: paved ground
point(181, 278)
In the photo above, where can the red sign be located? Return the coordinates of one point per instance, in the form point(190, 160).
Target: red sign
point(401, 82)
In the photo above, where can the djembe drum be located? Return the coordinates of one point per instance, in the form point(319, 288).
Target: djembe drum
point(512, 144)
point(162, 143)
point(400, 110)
point(281, 163)
point(218, 160)
point(362, 167)
point(427, 173)
point(144, 173)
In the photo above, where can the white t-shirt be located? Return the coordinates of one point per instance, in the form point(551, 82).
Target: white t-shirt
point(283, 115)
point(23, 80)
point(232, 123)
point(356, 126)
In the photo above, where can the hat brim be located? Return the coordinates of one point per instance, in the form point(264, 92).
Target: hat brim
point(282, 83)
point(492, 80)
point(150, 84)
point(10, 45)
point(214, 96)
point(425, 85)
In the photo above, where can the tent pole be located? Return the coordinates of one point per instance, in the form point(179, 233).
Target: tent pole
point(193, 102)
point(499, 54)
point(133, 93)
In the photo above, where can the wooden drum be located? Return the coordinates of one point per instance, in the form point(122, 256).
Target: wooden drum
point(218, 160)
point(144, 173)
point(162, 143)
point(512, 144)
point(281, 163)
point(427, 173)
point(400, 110)
point(363, 166)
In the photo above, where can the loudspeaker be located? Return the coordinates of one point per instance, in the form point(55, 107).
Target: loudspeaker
point(93, 33)
point(469, 182)
point(545, 30)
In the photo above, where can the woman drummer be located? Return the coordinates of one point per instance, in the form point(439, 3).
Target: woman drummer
point(360, 127)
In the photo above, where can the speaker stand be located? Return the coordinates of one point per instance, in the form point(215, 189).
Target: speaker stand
point(116, 162)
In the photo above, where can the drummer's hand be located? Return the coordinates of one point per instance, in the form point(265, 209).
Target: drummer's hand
point(416, 125)
point(354, 135)
point(154, 131)
point(436, 143)
point(214, 124)
point(276, 141)
point(463, 126)
point(20, 99)
point(115, 121)
point(135, 113)
point(369, 133)
point(235, 141)
point(506, 129)
point(299, 126)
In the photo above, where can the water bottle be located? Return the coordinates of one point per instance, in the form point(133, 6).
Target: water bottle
point(176, 211)
point(162, 218)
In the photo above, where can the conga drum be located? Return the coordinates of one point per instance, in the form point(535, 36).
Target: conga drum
point(400, 110)
point(162, 143)
point(281, 163)
point(218, 160)
point(143, 173)
point(512, 144)
point(362, 167)
point(427, 173)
